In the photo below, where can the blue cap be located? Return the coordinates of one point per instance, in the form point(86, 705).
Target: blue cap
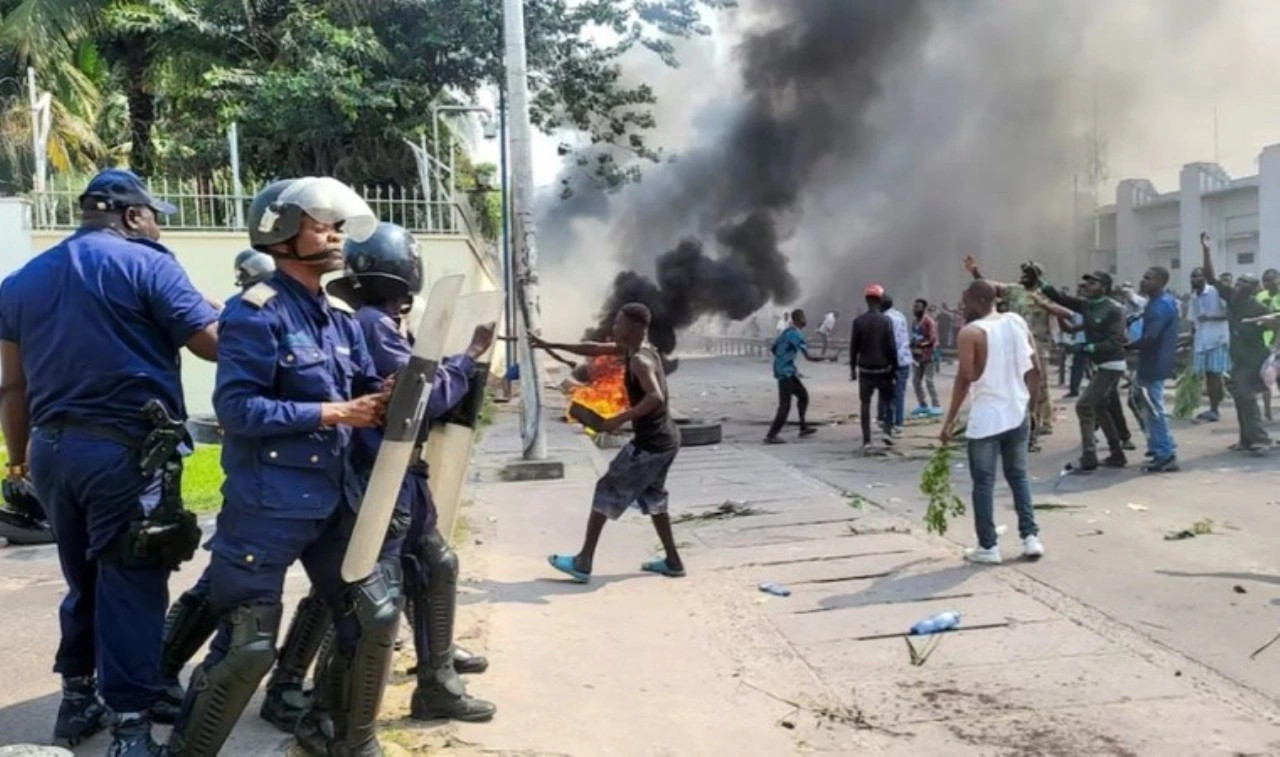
point(116, 189)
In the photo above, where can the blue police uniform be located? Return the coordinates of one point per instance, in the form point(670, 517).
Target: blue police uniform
point(100, 320)
point(283, 351)
point(286, 475)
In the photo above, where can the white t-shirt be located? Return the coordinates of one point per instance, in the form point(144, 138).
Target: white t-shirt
point(828, 323)
point(998, 399)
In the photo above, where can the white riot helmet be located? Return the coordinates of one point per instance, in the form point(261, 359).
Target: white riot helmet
point(275, 215)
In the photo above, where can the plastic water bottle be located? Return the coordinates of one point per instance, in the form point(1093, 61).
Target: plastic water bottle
point(943, 621)
point(777, 590)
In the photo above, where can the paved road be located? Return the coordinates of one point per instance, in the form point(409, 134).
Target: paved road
point(1120, 644)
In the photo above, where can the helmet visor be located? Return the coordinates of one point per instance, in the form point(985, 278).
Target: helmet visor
point(330, 201)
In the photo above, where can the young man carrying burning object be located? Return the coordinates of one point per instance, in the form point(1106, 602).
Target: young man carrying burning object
point(638, 475)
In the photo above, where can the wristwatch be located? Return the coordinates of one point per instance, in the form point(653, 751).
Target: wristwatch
point(17, 470)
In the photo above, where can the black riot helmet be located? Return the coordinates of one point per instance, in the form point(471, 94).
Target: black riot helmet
point(253, 267)
point(384, 269)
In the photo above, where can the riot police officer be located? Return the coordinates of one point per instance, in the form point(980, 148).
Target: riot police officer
point(383, 275)
point(294, 379)
point(191, 620)
point(90, 332)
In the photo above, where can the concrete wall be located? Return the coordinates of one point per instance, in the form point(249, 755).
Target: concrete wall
point(207, 257)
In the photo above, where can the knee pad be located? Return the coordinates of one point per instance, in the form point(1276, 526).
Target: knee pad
point(188, 625)
point(225, 687)
point(376, 602)
point(440, 558)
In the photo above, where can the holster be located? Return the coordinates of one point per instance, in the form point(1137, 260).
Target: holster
point(170, 535)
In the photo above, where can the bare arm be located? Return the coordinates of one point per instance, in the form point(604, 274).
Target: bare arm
point(1207, 259)
point(971, 351)
point(1033, 376)
point(14, 420)
point(204, 343)
point(584, 349)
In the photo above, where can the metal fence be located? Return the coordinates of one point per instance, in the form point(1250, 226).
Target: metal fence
point(213, 204)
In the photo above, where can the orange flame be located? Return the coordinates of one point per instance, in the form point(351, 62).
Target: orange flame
point(607, 392)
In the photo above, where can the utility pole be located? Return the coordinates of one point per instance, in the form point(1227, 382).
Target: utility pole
point(524, 239)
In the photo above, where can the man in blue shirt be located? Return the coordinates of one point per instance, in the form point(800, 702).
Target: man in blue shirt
point(785, 348)
point(90, 331)
point(1156, 348)
point(294, 380)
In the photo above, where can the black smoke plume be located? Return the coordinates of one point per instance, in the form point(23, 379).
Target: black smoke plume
point(809, 70)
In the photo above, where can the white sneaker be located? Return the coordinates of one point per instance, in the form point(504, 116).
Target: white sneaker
point(983, 556)
point(1032, 549)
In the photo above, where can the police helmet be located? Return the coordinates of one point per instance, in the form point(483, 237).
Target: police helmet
point(275, 215)
point(384, 268)
point(253, 267)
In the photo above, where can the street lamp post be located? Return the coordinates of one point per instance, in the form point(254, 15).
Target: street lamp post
point(525, 271)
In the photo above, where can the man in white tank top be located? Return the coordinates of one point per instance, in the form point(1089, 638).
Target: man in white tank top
point(998, 367)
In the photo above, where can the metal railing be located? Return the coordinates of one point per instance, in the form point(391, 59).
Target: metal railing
point(212, 204)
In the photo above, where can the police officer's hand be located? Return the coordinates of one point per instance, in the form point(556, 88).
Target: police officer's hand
point(361, 412)
point(481, 340)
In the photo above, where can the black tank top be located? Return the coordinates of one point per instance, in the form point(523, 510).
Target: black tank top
point(655, 432)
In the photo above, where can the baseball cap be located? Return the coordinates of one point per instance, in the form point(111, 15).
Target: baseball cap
point(116, 189)
point(875, 290)
point(1102, 277)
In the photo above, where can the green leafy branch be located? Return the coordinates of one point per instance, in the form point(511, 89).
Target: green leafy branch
point(935, 483)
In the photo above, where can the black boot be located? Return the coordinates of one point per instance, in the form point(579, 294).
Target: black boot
point(443, 696)
point(441, 693)
point(1116, 459)
point(132, 738)
point(467, 663)
point(81, 713)
point(315, 727)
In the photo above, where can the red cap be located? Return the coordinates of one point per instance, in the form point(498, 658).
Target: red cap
point(875, 290)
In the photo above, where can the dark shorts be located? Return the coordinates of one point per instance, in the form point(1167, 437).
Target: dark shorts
point(635, 477)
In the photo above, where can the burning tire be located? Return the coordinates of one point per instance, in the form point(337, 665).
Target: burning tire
point(698, 434)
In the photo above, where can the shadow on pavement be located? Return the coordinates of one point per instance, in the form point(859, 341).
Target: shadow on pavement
point(537, 590)
point(898, 587)
point(31, 722)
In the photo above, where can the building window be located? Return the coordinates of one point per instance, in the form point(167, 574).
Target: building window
point(1244, 258)
point(1175, 264)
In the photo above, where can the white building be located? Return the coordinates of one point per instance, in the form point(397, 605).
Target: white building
point(1146, 227)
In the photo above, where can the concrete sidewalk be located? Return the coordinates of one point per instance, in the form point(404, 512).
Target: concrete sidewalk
point(709, 665)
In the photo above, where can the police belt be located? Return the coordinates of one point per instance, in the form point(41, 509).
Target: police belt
point(170, 535)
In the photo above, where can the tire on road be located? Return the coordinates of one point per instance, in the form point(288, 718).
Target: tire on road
point(698, 434)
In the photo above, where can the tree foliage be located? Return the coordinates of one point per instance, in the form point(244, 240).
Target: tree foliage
point(326, 86)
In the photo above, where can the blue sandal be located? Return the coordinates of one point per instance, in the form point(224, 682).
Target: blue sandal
point(564, 564)
point(660, 567)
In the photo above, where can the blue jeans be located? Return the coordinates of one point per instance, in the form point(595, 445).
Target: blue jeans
point(900, 395)
point(1159, 441)
point(1011, 447)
